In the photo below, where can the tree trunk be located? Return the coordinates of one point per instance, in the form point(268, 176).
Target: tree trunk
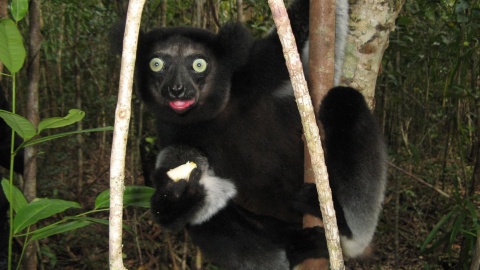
point(61, 39)
point(33, 72)
point(78, 90)
point(240, 17)
point(199, 12)
point(476, 145)
point(476, 255)
point(321, 68)
point(163, 13)
point(3, 9)
point(371, 22)
point(475, 180)
point(79, 136)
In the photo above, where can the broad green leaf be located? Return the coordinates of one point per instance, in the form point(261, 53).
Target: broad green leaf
point(12, 51)
point(103, 199)
point(19, 201)
point(22, 126)
point(57, 229)
point(73, 116)
point(38, 210)
point(138, 196)
point(19, 9)
point(132, 196)
point(61, 135)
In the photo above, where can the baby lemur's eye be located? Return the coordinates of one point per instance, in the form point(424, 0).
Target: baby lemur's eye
point(199, 65)
point(156, 64)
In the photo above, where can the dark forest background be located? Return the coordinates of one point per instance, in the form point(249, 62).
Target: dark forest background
point(427, 103)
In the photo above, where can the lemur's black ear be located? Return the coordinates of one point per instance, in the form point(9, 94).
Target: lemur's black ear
point(235, 41)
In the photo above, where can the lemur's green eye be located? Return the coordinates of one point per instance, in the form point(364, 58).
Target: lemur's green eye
point(199, 65)
point(156, 64)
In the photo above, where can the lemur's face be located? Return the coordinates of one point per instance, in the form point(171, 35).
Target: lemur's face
point(182, 80)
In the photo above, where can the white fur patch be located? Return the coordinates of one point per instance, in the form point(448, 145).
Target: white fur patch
point(161, 158)
point(362, 216)
point(285, 90)
point(356, 245)
point(219, 192)
point(362, 223)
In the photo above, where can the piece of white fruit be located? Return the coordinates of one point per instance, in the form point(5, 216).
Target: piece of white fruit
point(182, 171)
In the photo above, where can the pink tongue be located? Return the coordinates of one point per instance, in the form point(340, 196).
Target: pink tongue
point(181, 104)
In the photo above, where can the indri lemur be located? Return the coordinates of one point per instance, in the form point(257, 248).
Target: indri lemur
point(229, 96)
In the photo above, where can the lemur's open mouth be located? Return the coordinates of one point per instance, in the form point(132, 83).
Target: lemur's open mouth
point(181, 106)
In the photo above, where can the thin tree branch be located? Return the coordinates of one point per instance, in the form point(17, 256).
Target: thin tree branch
point(419, 180)
point(120, 133)
point(311, 131)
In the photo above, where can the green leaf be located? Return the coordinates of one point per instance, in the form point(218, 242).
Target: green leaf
point(132, 196)
point(61, 135)
point(436, 228)
point(150, 140)
point(436, 245)
point(22, 126)
point(90, 219)
point(138, 196)
point(49, 255)
point(19, 201)
point(38, 210)
point(19, 9)
point(12, 51)
point(457, 226)
point(472, 210)
point(103, 200)
point(430, 14)
point(404, 20)
point(57, 229)
point(73, 116)
point(100, 221)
